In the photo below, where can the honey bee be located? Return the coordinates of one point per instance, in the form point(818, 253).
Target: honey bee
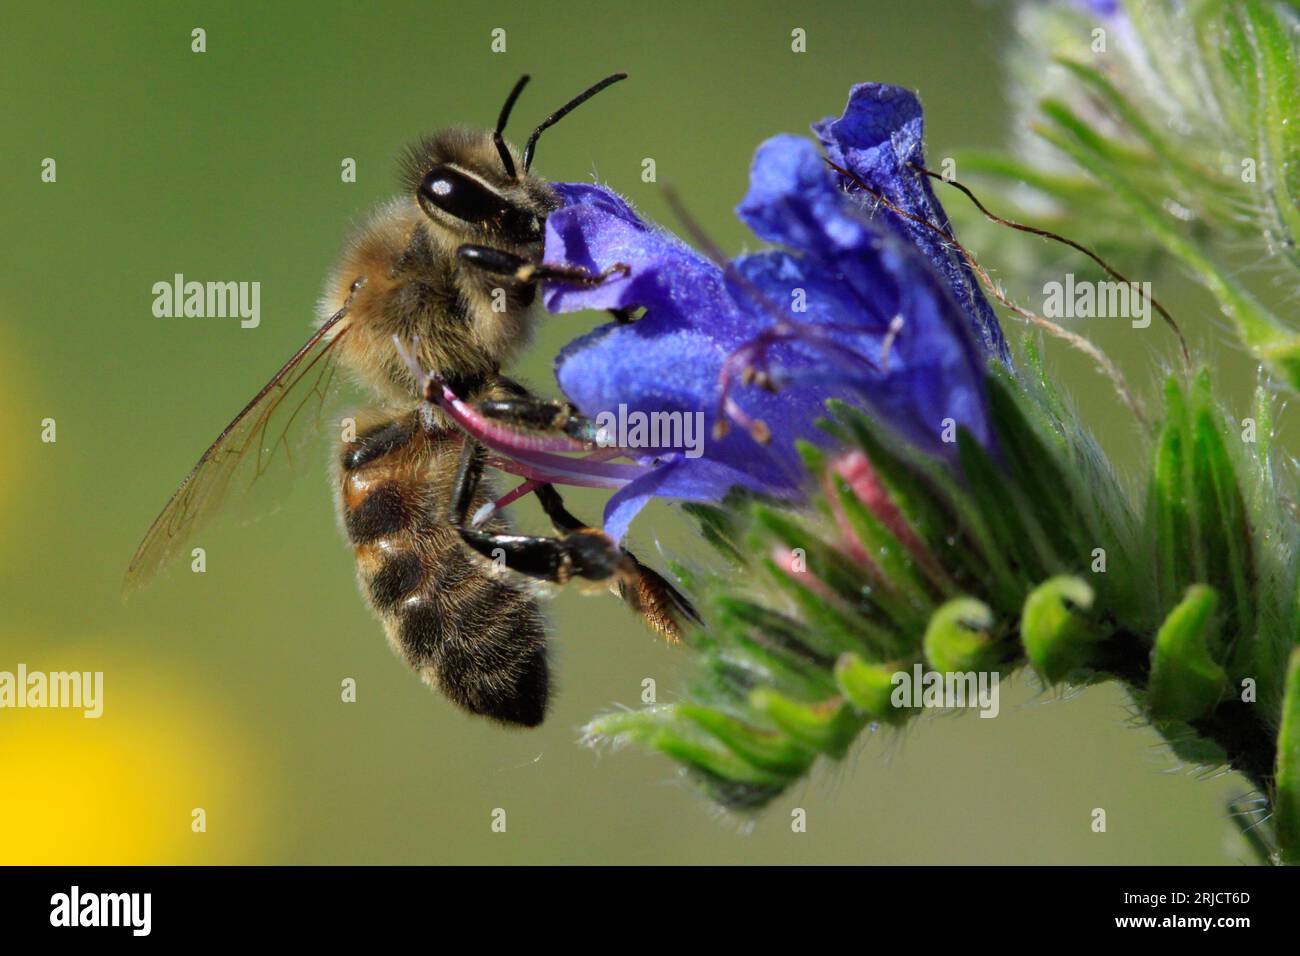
point(432, 268)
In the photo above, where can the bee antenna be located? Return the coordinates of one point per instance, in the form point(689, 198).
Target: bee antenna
point(506, 159)
point(564, 111)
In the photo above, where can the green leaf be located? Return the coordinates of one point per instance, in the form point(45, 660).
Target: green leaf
point(1279, 116)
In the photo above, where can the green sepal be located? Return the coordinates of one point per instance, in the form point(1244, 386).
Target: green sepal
point(1225, 535)
point(897, 567)
point(1016, 532)
point(1187, 744)
point(662, 728)
point(828, 726)
point(772, 751)
point(1186, 682)
point(834, 627)
point(1045, 487)
point(1178, 560)
point(718, 526)
point(767, 641)
point(827, 564)
point(935, 506)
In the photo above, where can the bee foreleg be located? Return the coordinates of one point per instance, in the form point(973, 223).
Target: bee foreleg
point(502, 263)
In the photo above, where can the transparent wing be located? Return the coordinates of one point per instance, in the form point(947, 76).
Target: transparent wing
point(265, 437)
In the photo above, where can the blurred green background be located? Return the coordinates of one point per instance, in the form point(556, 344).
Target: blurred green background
point(223, 689)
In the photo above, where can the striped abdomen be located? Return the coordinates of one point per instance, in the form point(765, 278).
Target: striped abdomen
point(477, 636)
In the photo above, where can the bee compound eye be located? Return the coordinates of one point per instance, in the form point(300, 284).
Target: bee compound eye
point(461, 196)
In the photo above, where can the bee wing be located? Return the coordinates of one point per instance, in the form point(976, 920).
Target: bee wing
point(262, 438)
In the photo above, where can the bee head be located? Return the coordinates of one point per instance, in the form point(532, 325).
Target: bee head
point(459, 182)
point(474, 182)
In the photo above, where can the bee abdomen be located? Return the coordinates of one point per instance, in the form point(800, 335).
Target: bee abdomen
point(479, 638)
point(398, 576)
point(377, 443)
point(384, 511)
point(482, 643)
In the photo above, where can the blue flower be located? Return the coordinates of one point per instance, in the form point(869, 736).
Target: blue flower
point(855, 304)
point(880, 140)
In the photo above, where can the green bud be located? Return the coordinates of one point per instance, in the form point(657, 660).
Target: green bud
point(868, 687)
point(1058, 639)
point(957, 638)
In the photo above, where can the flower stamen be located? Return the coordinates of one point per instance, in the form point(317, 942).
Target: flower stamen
point(895, 328)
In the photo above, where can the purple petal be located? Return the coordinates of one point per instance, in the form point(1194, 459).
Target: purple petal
point(684, 479)
point(600, 231)
point(877, 137)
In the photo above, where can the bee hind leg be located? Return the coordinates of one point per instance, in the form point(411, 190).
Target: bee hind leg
point(586, 553)
point(580, 551)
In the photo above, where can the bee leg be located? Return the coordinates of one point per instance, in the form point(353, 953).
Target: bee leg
point(502, 263)
point(582, 554)
point(578, 551)
point(550, 559)
point(586, 552)
point(643, 589)
point(469, 471)
point(539, 414)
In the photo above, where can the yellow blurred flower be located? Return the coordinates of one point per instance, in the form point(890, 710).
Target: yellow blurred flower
point(123, 788)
